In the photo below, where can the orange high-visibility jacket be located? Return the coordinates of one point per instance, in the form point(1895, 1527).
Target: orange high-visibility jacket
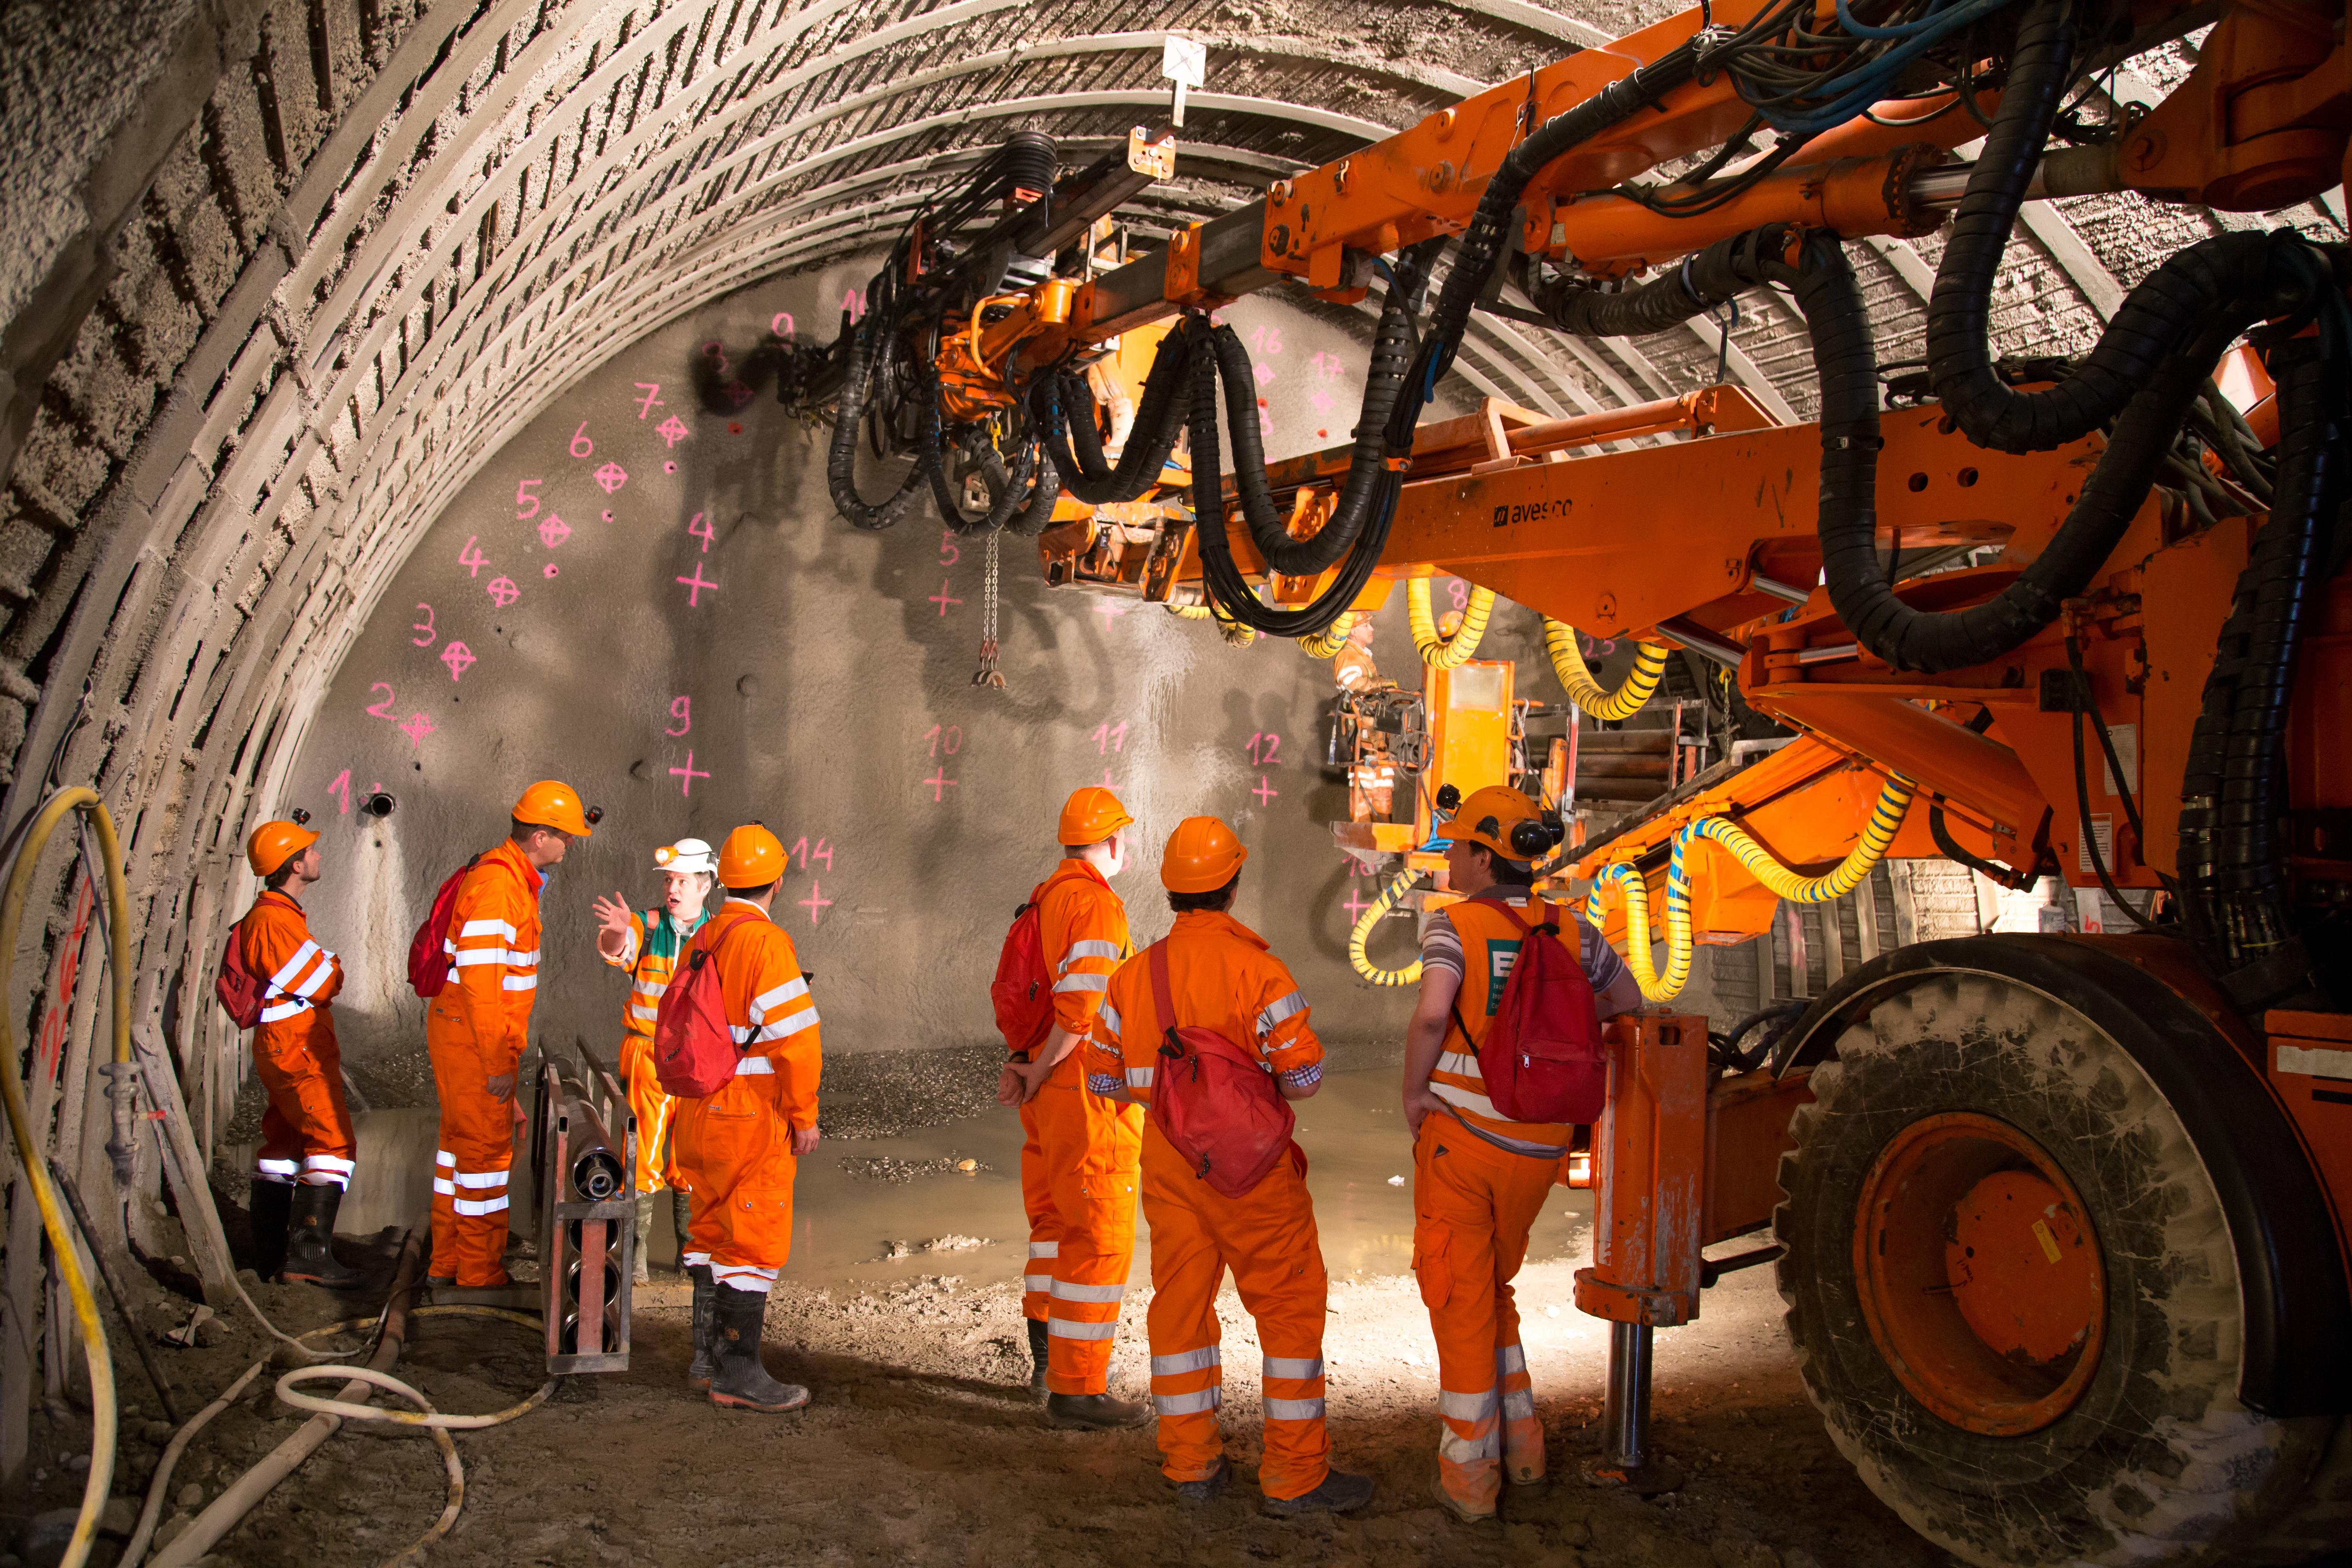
point(493, 947)
point(1083, 926)
point(1488, 945)
point(302, 976)
point(1221, 977)
point(656, 939)
point(767, 1006)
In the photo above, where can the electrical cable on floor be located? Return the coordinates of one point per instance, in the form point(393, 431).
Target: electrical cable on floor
point(1438, 650)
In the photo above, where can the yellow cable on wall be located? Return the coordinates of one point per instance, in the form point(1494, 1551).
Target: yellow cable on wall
point(1436, 649)
point(1886, 821)
point(1362, 934)
point(1567, 663)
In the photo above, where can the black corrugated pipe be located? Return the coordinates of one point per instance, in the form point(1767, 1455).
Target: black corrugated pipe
point(2240, 273)
point(1722, 271)
point(841, 456)
point(1074, 447)
point(2232, 863)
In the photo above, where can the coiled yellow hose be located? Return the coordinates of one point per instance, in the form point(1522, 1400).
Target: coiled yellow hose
point(1233, 632)
point(1886, 821)
point(1436, 651)
point(1567, 663)
point(81, 798)
point(1327, 643)
point(1362, 934)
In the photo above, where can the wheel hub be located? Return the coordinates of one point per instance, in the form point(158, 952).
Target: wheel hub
point(1979, 1277)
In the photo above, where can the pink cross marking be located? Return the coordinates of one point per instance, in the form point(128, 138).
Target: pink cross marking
point(694, 587)
point(612, 476)
point(687, 774)
point(458, 657)
point(940, 784)
point(417, 729)
point(554, 530)
point(941, 599)
point(1264, 791)
point(1109, 607)
point(813, 903)
point(1356, 905)
point(672, 430)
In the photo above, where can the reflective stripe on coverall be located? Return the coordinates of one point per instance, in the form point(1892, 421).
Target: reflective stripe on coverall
point(1222, 978)
point(1079, 1161)
point(734, 1150)
point(306, 1133)
point(655, 943)
point(475, 1030)
point(1479, 1181)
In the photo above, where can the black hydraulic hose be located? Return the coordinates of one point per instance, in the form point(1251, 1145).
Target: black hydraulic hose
point(2247, 284)
point(1044, 491)
point(1074, 447)
point(841, 456)
point(1721, 272)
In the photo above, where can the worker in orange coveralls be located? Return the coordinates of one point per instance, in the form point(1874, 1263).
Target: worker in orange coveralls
point(305, 1162)
point(1480, 1179)
point(739, 1148)
point(1221, 978)
point(477, 1026)
point(1079, 1162)
point(647, 943)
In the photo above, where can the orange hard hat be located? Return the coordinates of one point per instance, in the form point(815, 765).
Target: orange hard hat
point(1203, 855)
point(752, 857)
point(272, 844)
point(1090, 817)
point(1504, 820)
point(552, 804)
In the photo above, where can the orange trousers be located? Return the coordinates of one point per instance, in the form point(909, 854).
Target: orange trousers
point(1474, 1205)
point(734, 1152)
point(1269, 1242)
point(306, 1133)
point(1078, 1179)
point(656, 1167)
point(471, 1166)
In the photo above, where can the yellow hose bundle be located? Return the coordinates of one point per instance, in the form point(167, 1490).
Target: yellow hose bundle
point(1445, 652)
point(1233, 632)
point(1362, 934)
point(1886, 820)
point(1568, 662)
point(1327, 643)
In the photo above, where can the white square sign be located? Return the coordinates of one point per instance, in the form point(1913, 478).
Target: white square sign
point(1185, 61)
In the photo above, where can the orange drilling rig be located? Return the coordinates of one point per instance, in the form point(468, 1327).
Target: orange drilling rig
point(2062, 1222)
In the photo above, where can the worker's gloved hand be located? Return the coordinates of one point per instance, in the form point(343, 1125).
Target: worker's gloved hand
point(1420, 1103)
point(501, 1086)
point(1012, 1088)
point(804, 1140)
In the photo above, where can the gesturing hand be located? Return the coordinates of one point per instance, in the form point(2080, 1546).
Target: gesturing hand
point(612, 922)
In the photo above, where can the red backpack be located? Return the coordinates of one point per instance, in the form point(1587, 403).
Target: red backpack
point(428, 950)
point(1215, 1101)
point(1023, 1004)
point(1542, 1058)
point(695, 1052)
point(240, 990)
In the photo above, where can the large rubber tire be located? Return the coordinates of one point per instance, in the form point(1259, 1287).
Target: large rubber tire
point(2156, 1463)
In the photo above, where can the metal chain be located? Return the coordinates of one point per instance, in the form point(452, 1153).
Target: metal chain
point(987, 675)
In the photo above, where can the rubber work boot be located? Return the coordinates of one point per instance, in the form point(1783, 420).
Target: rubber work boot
point(737, 1321)
point(1038, 1356)
point(705, 1293)
point(1339, 1493)
point(310, 1239)
point(271, 1204)
point(645, 1234)
point(1206, 1489)
point(1458, 1508)
point(1095, 1412)
point(680, 1209)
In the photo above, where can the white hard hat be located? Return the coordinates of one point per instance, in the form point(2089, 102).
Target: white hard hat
point(685, 855)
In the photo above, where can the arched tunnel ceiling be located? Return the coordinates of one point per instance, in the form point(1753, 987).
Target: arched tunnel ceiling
point(268, 306)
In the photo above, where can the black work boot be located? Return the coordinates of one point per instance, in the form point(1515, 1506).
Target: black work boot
point(310, 1239)
point(271, 1204)
point(705, 1293)
point(1095, 1412)
point(741, 1381)
point(1208, 1489)
point(1339, 1493)
point(1038, 1356)
point(645, 1230)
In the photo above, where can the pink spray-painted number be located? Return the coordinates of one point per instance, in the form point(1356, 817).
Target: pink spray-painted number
point(1264, 747)
point(946, 741)
point(823, 851)
point(948, 553)
point(341, 789)
point(471, 558)
point(1109, 738)
point(425, 626)
point(522, 494)
point(581, 446)
point(702, 531)
point(650, 401)
point(382, 707)
point(682, 710)
point(458, 657)
point(780, 323)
